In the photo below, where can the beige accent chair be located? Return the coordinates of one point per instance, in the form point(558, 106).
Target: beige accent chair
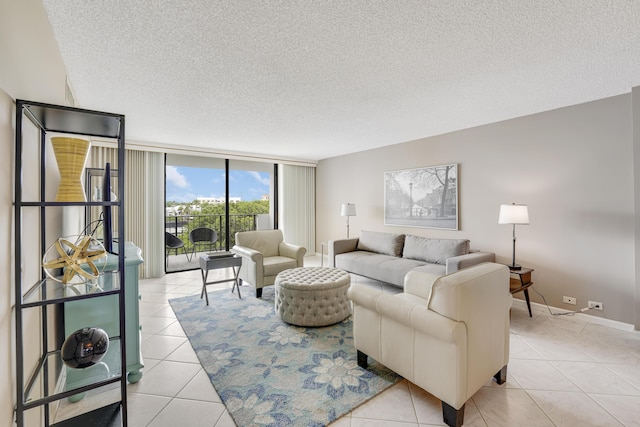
point(447, 334)
point(264, 255)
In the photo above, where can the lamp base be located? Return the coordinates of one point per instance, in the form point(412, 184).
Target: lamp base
point(515, 267)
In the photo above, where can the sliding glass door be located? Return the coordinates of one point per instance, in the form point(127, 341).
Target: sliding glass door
point(208, 200)
point(251, 206)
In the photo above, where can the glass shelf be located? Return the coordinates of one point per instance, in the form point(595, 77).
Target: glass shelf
point(106, 416)
point(67, 382)
point(49, 291)
point(115, 203)
point(57, 118)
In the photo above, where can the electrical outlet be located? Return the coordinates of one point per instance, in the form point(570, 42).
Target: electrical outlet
point(569, 300)
point(595, 305)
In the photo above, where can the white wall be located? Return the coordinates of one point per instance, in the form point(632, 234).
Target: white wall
point(6, 282)
point(30, 68)
point(572, 166)
point(636, 168)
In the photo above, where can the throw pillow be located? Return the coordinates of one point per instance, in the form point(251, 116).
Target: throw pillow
point(382, 243)
point(435, 251)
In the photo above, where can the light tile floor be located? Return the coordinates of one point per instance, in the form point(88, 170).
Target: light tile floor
point(563, 371)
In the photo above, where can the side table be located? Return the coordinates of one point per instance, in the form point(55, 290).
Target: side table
point(520, 282)
point(220, 260)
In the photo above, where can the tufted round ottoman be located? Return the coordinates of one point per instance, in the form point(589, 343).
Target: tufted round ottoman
point(312, 296)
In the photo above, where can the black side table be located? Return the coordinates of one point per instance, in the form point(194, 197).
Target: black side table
point(520, 282)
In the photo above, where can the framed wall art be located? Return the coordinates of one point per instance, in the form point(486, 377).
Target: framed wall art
point(423, 197)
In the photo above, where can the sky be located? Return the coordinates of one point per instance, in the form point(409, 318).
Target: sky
point(185, 184)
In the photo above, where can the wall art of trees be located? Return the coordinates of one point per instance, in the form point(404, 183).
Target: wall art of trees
point(422, 197)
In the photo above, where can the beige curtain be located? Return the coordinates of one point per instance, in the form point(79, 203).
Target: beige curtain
point(143, 202)
point(297, 205)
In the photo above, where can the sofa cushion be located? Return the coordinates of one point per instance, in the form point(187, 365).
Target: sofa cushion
point(382, 243)
point(437, 269)
point(275, 264)
point(385, 268)
point(435, 251)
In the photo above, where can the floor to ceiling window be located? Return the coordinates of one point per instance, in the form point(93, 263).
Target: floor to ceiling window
point(208, 200)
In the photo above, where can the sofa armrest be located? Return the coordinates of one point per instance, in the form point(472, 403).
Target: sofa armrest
point(456, 263)
point(339, 247)
point(252, 254)
point(407, 310)
point(419, 283)
point(292, 251)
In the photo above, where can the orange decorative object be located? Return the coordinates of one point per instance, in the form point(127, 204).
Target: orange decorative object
point(71, 155)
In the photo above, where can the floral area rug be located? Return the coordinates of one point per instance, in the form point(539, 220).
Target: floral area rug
point(270, 373)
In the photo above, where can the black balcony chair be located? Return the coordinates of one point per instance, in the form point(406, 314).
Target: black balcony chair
point(200, 237)
point(172, 242)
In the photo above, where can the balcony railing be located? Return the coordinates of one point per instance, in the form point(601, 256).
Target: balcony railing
point(181, 226)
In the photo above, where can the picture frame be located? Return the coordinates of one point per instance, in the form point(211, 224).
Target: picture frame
point(424, 197)
point(95, 214)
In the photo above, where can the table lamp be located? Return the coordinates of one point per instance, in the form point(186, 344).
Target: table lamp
point(348, 209)
point(515, 215)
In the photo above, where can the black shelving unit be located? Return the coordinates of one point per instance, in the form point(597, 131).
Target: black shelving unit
point(40, 385)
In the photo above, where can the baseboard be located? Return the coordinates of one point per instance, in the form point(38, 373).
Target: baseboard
point(582, 316)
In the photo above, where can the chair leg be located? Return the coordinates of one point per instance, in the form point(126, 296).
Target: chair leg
point(451, 416)
point(526, 297)
point(362, 360)
point(501, 375)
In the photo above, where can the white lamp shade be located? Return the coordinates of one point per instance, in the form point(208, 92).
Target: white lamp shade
point(348, 209)
point(514, 214)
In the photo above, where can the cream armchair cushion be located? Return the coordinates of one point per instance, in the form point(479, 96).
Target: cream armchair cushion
point(447, 334)
point(264, 255)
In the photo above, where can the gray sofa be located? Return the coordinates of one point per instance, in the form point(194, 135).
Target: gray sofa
point(388, 257)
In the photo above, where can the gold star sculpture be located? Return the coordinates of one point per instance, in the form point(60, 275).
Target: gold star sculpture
point(73, 257)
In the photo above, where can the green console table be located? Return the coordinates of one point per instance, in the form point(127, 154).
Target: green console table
point(103, 313)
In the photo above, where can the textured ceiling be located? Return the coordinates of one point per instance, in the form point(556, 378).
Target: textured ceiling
point(312, 79)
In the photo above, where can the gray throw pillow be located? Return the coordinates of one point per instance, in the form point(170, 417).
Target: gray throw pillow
point(382, 243)
point(435, 251)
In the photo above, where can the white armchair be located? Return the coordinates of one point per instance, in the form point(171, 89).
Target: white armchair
point(264, 255)
point(447, 334)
